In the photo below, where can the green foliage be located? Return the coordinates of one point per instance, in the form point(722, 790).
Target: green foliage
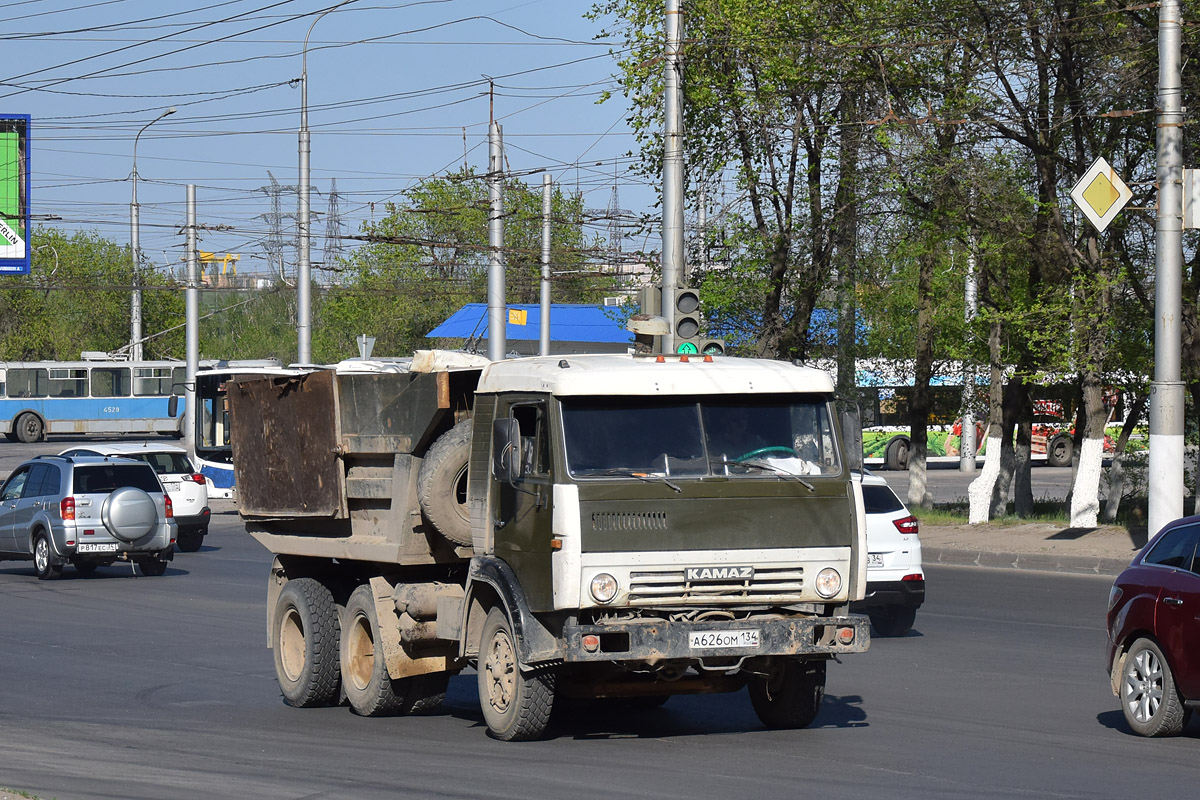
point(77, 298)
point(428, 256)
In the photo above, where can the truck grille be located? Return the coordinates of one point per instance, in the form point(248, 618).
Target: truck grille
point(669, 587)
point(629, 521)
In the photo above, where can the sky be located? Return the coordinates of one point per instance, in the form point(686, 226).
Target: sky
point(396, 93)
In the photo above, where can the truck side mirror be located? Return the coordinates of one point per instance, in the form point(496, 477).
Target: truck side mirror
point(506, 450)
point(852, 439)
point(172, 405)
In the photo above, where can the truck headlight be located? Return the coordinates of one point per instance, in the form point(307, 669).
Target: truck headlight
point(829, 582)
point(604, 588)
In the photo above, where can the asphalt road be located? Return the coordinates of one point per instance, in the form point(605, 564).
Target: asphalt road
point(132, 687)
point(948, 485)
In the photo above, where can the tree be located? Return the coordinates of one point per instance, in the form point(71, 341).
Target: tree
point(429, 255)
point(766, 85)
point(77, 298)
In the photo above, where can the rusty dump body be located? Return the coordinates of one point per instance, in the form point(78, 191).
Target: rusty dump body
point(329, 456)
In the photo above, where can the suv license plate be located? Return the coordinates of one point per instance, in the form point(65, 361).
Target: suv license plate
point(97, 548)
point(714, 640)
point(170, 487)
point(874, 559)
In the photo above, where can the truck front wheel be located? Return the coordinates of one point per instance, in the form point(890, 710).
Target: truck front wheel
point(304, 633)
point(516, 705)
point(789, 695)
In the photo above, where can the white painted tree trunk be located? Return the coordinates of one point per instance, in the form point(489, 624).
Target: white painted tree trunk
point(1085, 495)
point(979, 493)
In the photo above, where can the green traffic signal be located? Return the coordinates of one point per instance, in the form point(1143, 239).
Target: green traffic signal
point(688, 349)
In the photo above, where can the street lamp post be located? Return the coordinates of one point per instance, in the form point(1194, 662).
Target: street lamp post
point(135, 305)
point(303, 267)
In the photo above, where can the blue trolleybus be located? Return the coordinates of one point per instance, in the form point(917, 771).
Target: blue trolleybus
point(87, 397)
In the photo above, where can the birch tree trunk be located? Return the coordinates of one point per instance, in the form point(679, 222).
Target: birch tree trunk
point(979, 493)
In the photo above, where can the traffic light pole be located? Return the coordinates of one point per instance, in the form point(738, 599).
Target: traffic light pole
point(672, 217)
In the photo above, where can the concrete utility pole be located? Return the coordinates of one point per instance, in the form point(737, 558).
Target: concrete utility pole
point(967, 444)
point(673, 257)
point(497, 305)
point(303, 232)
point(547, 233)
point(191, 305)
point(1166, 390)
point(135, 247)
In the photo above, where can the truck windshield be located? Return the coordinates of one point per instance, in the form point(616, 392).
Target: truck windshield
point(761, 436)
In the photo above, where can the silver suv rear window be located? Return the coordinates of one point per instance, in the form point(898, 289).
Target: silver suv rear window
point(99, 478)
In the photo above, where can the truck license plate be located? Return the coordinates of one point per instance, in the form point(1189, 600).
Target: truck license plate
point(714, 640)
point(874, 559)
point(106, 547)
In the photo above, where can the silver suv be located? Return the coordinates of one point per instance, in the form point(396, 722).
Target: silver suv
point(86, 510)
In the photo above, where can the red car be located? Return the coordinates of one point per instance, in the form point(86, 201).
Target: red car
point(1154, 632)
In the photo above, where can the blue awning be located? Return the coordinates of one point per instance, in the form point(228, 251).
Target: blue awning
point(568, 323)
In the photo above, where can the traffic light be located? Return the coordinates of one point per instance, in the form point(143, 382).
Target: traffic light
point(687, 321)
point(650, 300)
point(712, 347)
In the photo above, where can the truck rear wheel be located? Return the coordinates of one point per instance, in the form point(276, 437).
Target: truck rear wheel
point(369, 689)
point(304, 633)
point(897, 454)
point(1058, 454)
point(516, 705)
point(442, 484)
point(790, 694)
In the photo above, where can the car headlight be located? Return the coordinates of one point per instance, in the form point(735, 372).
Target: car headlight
point(829, 582)
point(604, 588)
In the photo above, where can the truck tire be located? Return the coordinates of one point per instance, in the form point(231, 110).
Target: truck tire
point(892, 620)
point(897, 454)
point(790, 694)
point(29, 428)
point(369, 690)
point(442, 484)
point(304, 640)
point(426, 693)
point(516, 705)
point(1058, 452)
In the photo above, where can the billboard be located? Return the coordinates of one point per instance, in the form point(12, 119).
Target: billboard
point(14, 194)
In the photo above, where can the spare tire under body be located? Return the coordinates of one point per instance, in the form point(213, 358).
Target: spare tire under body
point(442, 484)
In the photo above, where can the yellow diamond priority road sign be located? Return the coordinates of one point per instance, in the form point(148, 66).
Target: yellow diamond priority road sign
point(1100, 194)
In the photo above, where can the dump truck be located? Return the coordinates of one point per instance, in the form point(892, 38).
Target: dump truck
point(587, 528)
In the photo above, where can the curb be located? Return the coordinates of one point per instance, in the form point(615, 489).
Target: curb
point(1039, 562)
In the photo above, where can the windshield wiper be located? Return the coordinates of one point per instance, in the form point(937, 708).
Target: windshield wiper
point(648, 477)
point(783, 473)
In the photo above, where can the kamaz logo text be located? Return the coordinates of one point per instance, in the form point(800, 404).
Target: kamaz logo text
point(693, 574)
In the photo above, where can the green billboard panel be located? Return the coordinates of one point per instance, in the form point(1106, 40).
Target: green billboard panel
point(14, 194)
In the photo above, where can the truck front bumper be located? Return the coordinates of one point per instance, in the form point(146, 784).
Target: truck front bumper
point(653, 641)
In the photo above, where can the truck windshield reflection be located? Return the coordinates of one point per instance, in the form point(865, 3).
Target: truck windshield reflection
point(752, 437)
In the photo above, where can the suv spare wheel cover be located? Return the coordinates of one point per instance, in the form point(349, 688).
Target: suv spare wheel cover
point(129, 513)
